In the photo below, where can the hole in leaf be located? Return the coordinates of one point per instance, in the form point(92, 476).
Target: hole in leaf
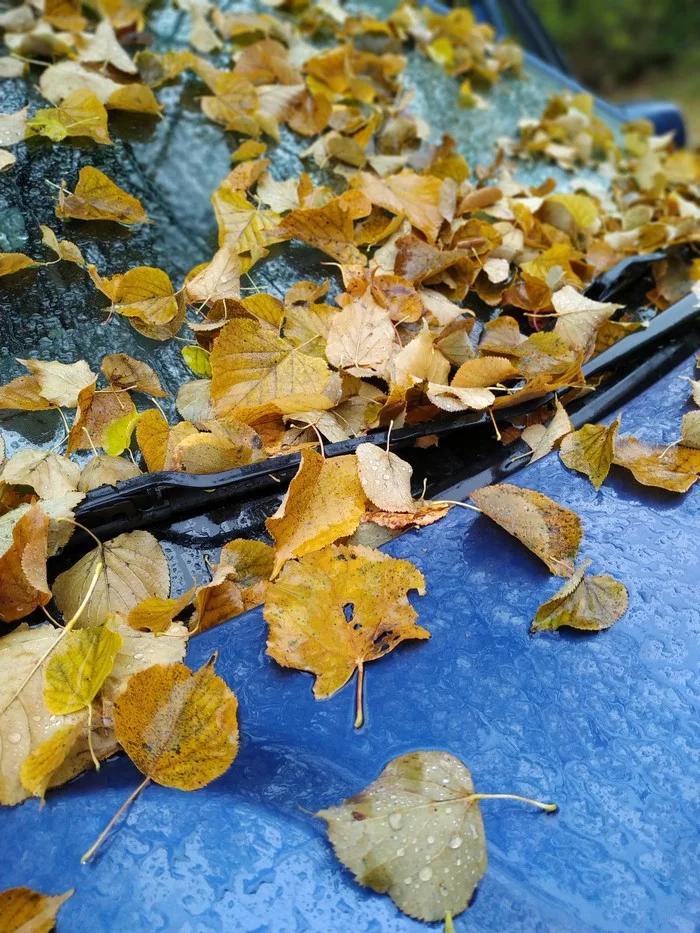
point(349, 611)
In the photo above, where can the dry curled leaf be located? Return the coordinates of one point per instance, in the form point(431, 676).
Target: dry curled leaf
point(549, 530)
point(586, 603)
point(134, 568)
point(25, 911)
point(97, 197)
point(590, 450)
point(416, 834)
point(541, 439)
point(23, 585)
point(179, 727)
point(325, 501)
point(333, 611)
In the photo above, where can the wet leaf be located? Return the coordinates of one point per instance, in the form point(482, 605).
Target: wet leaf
point(25, 911)
point(385, 478)
point(330, 228)
point(23, 393)
point(690, 430)
point(156, 614)
point(253, 562)
point(116, 437)
point(549, 530)
point(179, 728)
point(425, 200)
point(135, 568)
point(197, 358)
point(15, 262)
point(23, 585)
point(542, 440)
point(675, 469)
point(590, 450)
point(97, 197)
point(64, 249)
point(61, 383)
point(416, 834)
point(219, 280)
point(242, 227)
point(80, 114)
point(152, 434)
point(420, 361)
point(586, 603)
point(217, 601)
point(76, 671)
point(483, 372)
point(145, 293)
point(325, 501)
point(104, 49)
point(360, 338)
point(337, 609)
point(452, 398)
point(42, 763)
point(46, 472)
point(579, 318)
point(96, 415)
point(253, 369)
point(124, 372)
point(103, 470)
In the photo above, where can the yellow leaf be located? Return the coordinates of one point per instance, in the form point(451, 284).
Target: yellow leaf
point(23, 585)
point(116, 437)
point(194, 403)
point(214, 452)
point(590, 450)
point(252, 562)
point(253, 369)
point(675, 469)
point(135, 98)
point(425, 200)
point(580, 208)
point(24, 393)
point(333, 611)
point(25, 911)
point(97, 197)
point(217, 601)
point(197, 358)
point(61, 383)
point(325, 501)
point(15, 262)
point(43, 761)
point(218, 281)
point(145, 293)
point(134, 567)
point(155, 614)
point(453, 398)
point(233, 104)
point(96, 413)
point(250, 149)
point(80, 114)
point(579, 318)
point(75, 672)
point(589, 604)
point(420, 361)
point(483, 372)
point(152, 434)
point(104, 49)
point(65, 15)
point(64, 249)
point(179, 728)
point(540, 439)
point(124, 372)
point(330, 228)
point(549, 530)
point(242, 227)
point(385, 478)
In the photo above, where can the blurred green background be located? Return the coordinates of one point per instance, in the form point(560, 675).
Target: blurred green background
point(632, 49)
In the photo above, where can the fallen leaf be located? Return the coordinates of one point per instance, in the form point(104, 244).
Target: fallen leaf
point(675, 469)
point(425, 200)
point(337, 609)
point(80, 114)
point(586, 603)
point(104, 49)
point(194, 401)
point(103, 470)
point(590, 450)
point(422, 514)
point(145, 293)
point(7, 160)
point(97, 197)
point(416, 834)
point(179, 727)
point(61, 383)
point(23, 585)
point(25, 911)
point(213, 452)
point(124, 372)
point(217, 601)
point(45, 471)
point(64, 14)
point(325, 501)
point(542, 440)
point(253, 562)
point(420, 361)
point(253, 368)
point(96, 413)
point(483, 372)
point(13, 127)
point(579, 318)
point(64, 249)
point(134, 567)
point(452, 398)
point(243, 228)
point(43, 761)
point(116, 437)
point(690, 430)
point(156, 614)
point(385, 478)
point(24, 393)
point(549, 530)
point(15, 262)
point(361, 338)
point(152, 435)
point(330, 228)
point(219, 280)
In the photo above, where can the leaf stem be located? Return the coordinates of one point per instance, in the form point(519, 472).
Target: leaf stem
point(549, 807)
point(105, 832)
point(92, 750)
point(360, 683)
point(72, 521)
point(464, 505)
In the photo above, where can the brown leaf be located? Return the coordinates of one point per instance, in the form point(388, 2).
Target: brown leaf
point(25, 911)
point(549, 530)
point(23, 585)
point(324, 502)
point(425, 200)
point(95, 412)
point(483, 372)
point(675, 469)
point(253, 562)
point(124, 372)
point(330, 228)
point(589, 604)
point(423, 513)
point(97, 197)
point(217, 601)
point(590, 450)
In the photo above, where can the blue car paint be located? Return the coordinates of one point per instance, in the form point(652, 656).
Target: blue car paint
point(605, 725)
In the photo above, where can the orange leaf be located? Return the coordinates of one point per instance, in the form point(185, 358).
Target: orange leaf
point(97, 197)
point(23, 585)
point(330, 228)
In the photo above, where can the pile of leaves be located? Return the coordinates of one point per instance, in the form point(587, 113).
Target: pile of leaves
point(418, 243)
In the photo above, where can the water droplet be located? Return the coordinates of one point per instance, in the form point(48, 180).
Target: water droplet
point(431, 840)
point(425, 874)
point(14, 737)
point(395, 821)
point(455, 842)
point(448, 810)
point(400, 852)
point(408, 880)
point(472, 831)
point(138, 657)
point(36, 718)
